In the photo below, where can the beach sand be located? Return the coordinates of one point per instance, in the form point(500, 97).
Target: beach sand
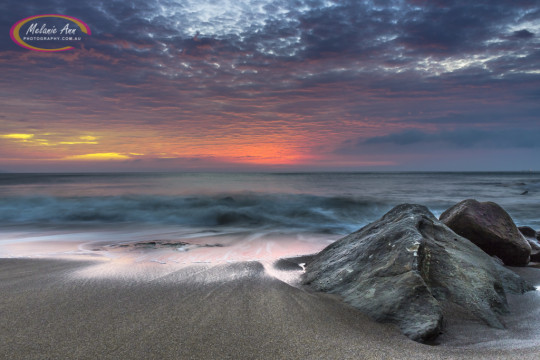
point(54, 309)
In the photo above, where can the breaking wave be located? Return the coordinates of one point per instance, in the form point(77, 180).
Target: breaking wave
point(287, 211)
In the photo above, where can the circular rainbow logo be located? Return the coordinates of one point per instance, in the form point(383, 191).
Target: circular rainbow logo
point(16, 28)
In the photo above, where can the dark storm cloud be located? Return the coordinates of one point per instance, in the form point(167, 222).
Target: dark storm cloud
point(466, 137)
point(378, 65)
point(444, 28)
point(523, 34)
point(371, 36)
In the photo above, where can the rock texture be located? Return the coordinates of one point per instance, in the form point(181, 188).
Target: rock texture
point(532, 237)
point(406, 267)
point(491, 228)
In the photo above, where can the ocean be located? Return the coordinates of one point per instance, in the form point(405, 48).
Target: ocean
point(104, 211)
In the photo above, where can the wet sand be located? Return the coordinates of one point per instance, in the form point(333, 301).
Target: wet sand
point(54, 309)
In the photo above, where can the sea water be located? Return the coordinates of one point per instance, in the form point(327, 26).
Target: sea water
point(126, 208)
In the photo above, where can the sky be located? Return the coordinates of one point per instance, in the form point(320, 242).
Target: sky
point(284, 85)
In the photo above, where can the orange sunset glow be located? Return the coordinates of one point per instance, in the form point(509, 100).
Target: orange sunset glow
point(293, 88)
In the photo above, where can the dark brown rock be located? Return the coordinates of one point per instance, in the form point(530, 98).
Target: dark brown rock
point(488, 226)
point(407, 268)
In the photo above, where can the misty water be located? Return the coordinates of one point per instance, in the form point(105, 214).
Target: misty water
point(126, 208)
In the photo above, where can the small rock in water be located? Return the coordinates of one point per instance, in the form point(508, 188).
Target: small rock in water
point(527, 231)
point(228, 199)
point(532, 237)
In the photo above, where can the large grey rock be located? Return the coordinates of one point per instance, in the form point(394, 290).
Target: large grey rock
point(491, 228)
point(406, 267)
